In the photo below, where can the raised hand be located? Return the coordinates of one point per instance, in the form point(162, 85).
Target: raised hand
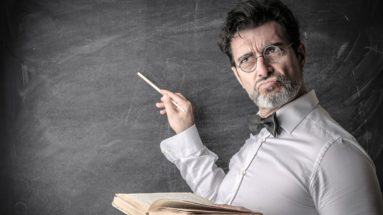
point(178, 120)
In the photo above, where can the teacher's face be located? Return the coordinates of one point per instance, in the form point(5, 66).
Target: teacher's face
point(274, 76)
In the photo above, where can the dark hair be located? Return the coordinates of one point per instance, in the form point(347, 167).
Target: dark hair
point(253, 13)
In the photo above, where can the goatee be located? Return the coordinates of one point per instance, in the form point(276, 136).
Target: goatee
point(275, 98)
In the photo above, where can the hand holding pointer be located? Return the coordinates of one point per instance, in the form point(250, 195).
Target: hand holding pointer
point(178, 120)
point(178, 109)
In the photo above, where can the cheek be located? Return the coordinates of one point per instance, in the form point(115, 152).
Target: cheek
point(248, 81)
point(291, 70)
point(295, 73)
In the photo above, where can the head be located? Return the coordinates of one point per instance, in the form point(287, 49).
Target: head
point(253, 32)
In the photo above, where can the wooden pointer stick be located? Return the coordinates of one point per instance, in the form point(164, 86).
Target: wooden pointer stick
point(158, 90)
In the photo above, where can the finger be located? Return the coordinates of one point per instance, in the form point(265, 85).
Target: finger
point(178, 99)
point(164, 92)
point(172, 95)
point(169, 107)
point(160, 105)
point(182, 96)
point(163, 112)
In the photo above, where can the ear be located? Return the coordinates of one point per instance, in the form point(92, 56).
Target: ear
point(235, 71)
point(301, 54)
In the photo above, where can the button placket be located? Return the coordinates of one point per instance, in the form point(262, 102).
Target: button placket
point(243, 171)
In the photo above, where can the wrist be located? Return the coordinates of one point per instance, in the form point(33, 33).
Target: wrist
point(182, 129)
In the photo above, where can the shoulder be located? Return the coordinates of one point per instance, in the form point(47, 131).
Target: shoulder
point(344, 173)
point(329, 140)
point(321, 125)
point(338, 153)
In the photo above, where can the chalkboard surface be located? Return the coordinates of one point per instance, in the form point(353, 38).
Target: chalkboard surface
point(87, 126)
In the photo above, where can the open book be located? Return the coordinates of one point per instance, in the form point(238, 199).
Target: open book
point(172, 203)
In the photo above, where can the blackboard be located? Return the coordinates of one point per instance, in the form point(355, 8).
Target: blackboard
point(81, 126)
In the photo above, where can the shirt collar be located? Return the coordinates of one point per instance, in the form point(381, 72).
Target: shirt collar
point(290, 115)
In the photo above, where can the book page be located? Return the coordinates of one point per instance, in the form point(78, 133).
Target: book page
point(184, 206)
point(145, 200)
point(126, 207)
point(179, 211)
point(174, 203)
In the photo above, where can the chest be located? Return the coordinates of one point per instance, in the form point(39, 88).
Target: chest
point(268, 176)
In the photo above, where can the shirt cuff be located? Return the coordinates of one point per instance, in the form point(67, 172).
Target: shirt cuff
point(182, 145)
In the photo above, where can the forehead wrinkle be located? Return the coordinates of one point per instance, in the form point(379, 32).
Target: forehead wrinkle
point(273, 34)
point(249, 38)
point(245, 43)
point(252, 46)
point(276, 33)
point(271, 37)
point(255, 39)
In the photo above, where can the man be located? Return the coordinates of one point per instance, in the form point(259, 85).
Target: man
point(302, 162)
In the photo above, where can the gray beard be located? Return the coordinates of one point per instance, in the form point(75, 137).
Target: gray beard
point(272, 100)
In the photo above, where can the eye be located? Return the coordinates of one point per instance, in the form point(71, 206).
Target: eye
point(244, 60)
point(272, 50)
point(247, 59)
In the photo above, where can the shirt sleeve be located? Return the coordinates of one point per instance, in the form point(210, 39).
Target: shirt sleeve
point(345, 181)
point(195, 162)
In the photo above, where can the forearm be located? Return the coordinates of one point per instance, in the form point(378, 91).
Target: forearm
point(195, 162)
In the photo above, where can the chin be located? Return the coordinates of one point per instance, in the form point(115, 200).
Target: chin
point(274, 98)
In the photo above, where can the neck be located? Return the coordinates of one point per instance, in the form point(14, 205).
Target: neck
point(265, 112)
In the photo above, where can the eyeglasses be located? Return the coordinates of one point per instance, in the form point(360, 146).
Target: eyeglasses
point(270, 54)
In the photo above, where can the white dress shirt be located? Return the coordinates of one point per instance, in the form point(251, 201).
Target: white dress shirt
point(313, 166)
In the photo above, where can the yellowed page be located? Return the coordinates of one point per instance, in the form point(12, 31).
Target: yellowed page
point(142, 201)
point(175, 203)
point(178, 200)
point(125, 207)
point(183, 206)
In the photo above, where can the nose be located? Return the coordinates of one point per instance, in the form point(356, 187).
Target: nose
point(263, 68)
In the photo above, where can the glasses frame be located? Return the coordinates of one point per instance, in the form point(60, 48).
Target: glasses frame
point(282, 47)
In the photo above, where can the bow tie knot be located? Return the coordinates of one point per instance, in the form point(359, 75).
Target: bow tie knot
point(256, 123)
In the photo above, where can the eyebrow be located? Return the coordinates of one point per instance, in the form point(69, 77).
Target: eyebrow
point(276, 44)
point(248, 54)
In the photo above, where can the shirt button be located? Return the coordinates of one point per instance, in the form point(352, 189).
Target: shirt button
point(244, 172)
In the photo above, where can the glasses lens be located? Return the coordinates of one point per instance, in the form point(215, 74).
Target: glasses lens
point(248, 63)
point(272, 53)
